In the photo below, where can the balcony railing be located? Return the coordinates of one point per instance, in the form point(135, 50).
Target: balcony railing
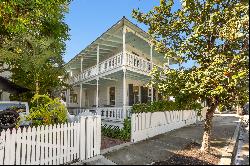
point(110, 63)
point(132, 60)
point(138, 63)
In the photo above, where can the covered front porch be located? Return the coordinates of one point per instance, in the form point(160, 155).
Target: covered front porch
point(111, 96)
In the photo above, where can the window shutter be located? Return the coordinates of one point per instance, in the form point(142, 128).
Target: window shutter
point(144, 94)
point(154, 96)
point(130, 94)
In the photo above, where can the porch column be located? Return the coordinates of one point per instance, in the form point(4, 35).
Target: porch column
point(68, 90)
point(124, 59)
point(124, 93)
point(97, 94)
point(97, 77)
point(81, 85)
point(68, 97)
point(151, 59)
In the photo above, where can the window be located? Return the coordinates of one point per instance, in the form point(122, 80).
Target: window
point(112, 96)
point(149, 94)
point(144, 94)
point(136, 94)
point(73, 98)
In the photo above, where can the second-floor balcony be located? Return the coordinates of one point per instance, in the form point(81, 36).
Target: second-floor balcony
point(132, 61)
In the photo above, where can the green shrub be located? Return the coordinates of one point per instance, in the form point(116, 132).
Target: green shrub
point(123, 134)
point(46, 111)
point(166, 105)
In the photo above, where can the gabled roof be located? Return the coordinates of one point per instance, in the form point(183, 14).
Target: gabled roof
point(113, 29)
point(10, 87)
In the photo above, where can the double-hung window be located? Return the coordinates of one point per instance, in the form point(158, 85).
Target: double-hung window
point(112, 96)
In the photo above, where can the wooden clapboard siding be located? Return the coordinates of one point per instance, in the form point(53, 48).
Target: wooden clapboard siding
point(103, 93)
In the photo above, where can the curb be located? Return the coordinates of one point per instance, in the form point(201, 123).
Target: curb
point(228, 153)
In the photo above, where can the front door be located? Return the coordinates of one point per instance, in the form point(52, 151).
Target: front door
point(144, 94)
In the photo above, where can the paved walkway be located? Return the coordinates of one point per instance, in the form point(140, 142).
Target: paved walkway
point(161, 147)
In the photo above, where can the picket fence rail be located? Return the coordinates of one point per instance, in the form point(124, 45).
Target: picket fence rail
point(53, 144)
point(146, 125)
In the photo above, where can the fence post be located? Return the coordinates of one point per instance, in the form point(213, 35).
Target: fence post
point(82, 136)
point(98, 134)
point(132, 127)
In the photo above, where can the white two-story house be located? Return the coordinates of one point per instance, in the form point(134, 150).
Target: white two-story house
point(110, 75)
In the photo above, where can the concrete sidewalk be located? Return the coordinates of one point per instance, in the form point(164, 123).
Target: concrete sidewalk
point(242, 155)
point(161, 147)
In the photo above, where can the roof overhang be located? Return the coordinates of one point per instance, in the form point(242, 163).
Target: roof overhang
point(112, 40)
point(10, 87)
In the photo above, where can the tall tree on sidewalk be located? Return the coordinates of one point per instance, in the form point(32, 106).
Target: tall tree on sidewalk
point(214, 34)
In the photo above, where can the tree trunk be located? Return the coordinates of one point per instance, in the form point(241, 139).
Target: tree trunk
point(207, 129)
point(37, 85)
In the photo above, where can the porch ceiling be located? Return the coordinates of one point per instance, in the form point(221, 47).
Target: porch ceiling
point(144, 47)
point(108, 43)
point(118, 76)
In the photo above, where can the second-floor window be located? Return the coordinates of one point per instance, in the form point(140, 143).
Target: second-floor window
point(112, 96)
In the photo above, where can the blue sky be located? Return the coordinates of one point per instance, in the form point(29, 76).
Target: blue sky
point(88, 19)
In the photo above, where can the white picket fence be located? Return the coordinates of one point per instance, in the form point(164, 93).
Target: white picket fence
point(146, 125)
point(51, 145)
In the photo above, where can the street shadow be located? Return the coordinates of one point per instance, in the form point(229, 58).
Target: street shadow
point(178, 159)
point(191, 157)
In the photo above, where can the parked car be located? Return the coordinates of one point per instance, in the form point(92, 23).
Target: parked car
point(11, 111)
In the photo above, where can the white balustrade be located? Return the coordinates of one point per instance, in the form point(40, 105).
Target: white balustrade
point(138, 63)
point(110, 63)
point(107, 113)
point(132, 60)
point(111, 113)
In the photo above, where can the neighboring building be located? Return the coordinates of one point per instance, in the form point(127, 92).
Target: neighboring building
point(8, 87)
point(4, 96)
point(124, 57)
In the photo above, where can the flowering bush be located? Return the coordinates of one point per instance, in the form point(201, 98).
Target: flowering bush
point(46, 111)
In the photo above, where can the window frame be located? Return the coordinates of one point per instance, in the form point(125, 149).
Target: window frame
point(109, 101)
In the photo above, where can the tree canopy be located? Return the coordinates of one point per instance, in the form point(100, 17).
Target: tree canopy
point(213, 33)
point(38, 18)
point(32, 42)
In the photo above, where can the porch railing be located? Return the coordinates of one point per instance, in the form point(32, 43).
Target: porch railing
point(77, 110)
point(110, 63)
point(132, 60)
point(107, 113)
point(138, 63)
